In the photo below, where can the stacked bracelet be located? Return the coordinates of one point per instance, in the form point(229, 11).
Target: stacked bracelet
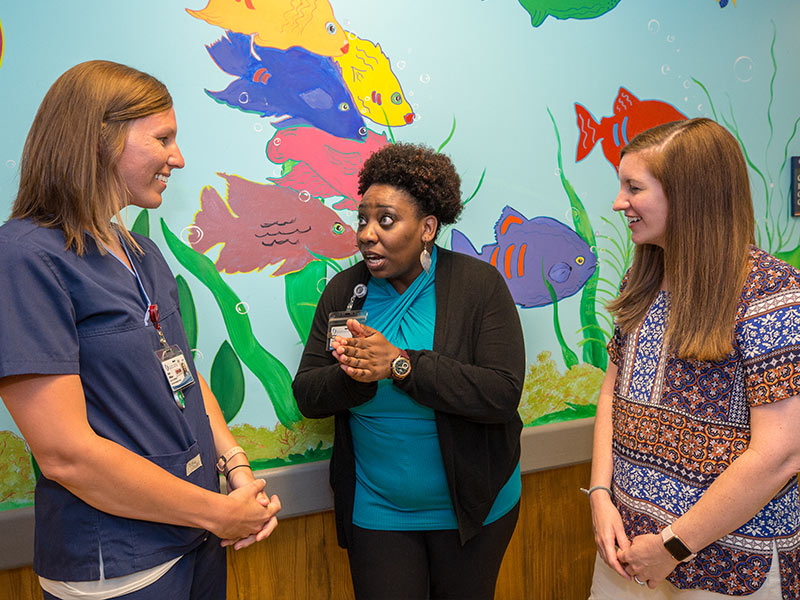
point(594, 488)
point(232, 469)
point(222, 463)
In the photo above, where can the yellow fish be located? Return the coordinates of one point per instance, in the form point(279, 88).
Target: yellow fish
point(375, 89)
point(280, 24)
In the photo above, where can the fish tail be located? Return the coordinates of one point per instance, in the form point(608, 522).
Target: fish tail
point(589, 134)
point(231, 53)
point(460, 243)
point(213, 215)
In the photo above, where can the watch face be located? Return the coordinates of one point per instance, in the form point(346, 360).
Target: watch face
point(400, 367)
point(677, 549)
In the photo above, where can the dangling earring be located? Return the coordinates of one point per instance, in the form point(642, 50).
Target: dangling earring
point(425, 258)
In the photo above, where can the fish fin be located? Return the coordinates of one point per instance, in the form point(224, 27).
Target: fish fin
point(292, 264)
point(231, 53)
point(460, 243)
point(317, 98)
point(624, 101)
point(302, 177)
point(346, 203)
point(589, 132)
point(243, 196)
point(212, 216)
point(348, 162)
point(508, 217)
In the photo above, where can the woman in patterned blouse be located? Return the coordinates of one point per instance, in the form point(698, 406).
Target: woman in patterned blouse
point(694, 487)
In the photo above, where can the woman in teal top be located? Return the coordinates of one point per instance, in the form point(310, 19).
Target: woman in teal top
point(425, 390)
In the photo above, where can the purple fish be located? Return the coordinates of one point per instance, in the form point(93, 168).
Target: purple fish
point(527, 250)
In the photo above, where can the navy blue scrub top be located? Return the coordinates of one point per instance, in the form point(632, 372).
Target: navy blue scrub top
point(65, 314)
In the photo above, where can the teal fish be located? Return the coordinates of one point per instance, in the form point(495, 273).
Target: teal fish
point(566, 9)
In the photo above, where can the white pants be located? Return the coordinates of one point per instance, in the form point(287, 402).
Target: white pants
point(607, 584)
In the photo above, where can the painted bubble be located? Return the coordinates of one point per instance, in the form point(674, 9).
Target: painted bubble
point(304, 196)
point(743, 68)
point(198, 356)
point(11, 164)
point(242, 308)
point(321, 284)
point(670, 38)
point(244, 98)
point(557, 172)
point(351, 35)
point(191, 234)
point(653, 26)
point(425, 78)
point(401, 64)
point(665, 69)
point(258, 127)
point(686, 84)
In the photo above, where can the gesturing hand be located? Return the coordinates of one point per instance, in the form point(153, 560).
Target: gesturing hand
point(367, 356)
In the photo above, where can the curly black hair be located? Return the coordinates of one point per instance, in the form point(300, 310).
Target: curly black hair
point(428, 176)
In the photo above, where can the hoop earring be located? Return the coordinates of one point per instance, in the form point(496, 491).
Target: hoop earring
point(425, 258)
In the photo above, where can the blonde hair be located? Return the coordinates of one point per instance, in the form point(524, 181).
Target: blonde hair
point(709, 230)
point(68, 172)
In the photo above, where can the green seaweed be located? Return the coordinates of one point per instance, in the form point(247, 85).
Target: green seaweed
point(575, 411)
point(302, 295)
point(227, 381)
point(570, 358)
point(188, 312)
point(594, 350)
point(142, 223)
point(442, 235)
point(310, 455)
point(776, 230)
point(449, 137)
point(272, 374)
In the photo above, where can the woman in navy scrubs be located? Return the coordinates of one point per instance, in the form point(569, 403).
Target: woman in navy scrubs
point(128, 504)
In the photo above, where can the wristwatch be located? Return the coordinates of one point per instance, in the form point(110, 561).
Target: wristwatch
point(401, 366)
point(675, 545)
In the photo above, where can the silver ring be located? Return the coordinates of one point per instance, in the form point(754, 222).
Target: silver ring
point(636, 579)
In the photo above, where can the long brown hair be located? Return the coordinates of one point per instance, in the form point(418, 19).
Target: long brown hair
point(709, 231)
point(68, 171)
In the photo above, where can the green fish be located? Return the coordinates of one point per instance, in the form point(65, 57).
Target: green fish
point(566, 9)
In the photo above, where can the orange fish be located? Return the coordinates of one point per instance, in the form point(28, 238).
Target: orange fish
point(306, 23)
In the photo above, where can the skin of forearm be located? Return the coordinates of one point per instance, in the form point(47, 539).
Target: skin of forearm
point(743, 489)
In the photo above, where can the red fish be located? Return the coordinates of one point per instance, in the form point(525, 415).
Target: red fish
point(631, 117)
point(263, 224)
point(328, 165)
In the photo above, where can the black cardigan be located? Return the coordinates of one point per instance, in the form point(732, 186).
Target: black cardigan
point(472, 379)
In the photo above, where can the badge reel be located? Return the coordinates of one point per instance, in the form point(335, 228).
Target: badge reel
point(337, 321)
point(173, 362)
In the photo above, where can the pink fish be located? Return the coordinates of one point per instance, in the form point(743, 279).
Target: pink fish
point(263, 224)
point(328, 165)
point(631, 117)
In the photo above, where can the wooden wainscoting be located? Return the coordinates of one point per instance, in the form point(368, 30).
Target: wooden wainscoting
point(550, 556)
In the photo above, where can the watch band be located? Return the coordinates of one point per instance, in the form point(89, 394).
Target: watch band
point(675, 545)
point(222, 463)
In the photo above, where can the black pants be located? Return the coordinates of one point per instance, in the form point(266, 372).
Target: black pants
point(422, 565)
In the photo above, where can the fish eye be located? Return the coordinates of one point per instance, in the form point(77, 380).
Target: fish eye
point(330, 27)
point(362, 131)
point(338, 228)
point(580, 260)
point(397, 98)
point(344, 107)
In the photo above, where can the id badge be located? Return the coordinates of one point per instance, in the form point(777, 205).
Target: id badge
point(175, 367)
point(337, 323)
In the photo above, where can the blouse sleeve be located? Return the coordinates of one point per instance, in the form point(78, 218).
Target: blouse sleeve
point(37, 321)
point(769, 339)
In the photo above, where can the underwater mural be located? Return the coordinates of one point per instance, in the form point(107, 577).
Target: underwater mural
point(631, 117)
point(261, 224)
point(532, 253)
point(263, 214)
point(277, 24)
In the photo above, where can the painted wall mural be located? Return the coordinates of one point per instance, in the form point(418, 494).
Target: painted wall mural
point(280, 102)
